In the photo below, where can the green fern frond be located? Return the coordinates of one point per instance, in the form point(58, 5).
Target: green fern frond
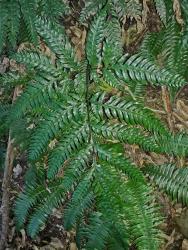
point(58, 42)
point(112, 48)
point(81, 200)
point(175, 144)
point(14, 21)
point(50, 127)
point(34, 96)
point(26, 200)
point(134, 200)
point(48, 197)
point(52, 9)
point(91, 232)
point(170, 179)
point(129, 8)
point(161, 10)
point(28, 10)
point(127, 134)
point(137, 198)
point(139, 68)
point(42, 212)
point(125, 111)
point(18, 18)
point(90, 8)
point(3, 22)
point(34, 60)
point(95, 37)
point(70, 143)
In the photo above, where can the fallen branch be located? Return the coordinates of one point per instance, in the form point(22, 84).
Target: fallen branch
point(168, 108)
point(5, 206)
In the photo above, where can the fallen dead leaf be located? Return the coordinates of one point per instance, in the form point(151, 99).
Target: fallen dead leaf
point(56, 244)
point(182, 109)
point(73, 246)
point(185, 244)
point(177, 11)
point(17, 170)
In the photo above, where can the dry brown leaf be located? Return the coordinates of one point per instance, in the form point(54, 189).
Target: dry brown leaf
point(145, 12)
point(23, 233)
point(182, 109)
point(177, 11)
point(182, 222)
point(56, 244)
point(185, 244)
point(73, 246)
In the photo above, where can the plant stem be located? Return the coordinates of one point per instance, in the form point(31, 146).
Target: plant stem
point(168, 108)
point(5, 206)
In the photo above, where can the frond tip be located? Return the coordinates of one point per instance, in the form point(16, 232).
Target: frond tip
point(172, 180)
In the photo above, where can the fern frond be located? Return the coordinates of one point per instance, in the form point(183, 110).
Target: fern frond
point(170, 179)
point(175, 144)
point(53, 8)
point(90, 8)
point(80, 128)
point(42, 212)
point(161, 10)
point(35, 95)
point(140, 220)
point(129, 8)
point(139, 68)
point(27, 200)
point(58, 42)
point(125, 111)
point(69, 144)
point(50, 127)
point(112, 48)
point(81, 200)
point(14, 21)
point(91, 232)
point(94, 38)
point(127, 134)
point(28, 8)
point(146, 236)
point(3, 23)
point(34, 60)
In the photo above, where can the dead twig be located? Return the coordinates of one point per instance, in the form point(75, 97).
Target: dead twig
point(5, 207)
point(168, 108)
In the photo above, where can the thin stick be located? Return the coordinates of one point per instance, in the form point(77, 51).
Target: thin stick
point(5, 207)
point(168, 108)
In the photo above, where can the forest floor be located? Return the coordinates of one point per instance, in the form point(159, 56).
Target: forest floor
point(174, 227)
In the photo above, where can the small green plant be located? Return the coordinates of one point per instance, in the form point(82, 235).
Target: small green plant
point(78, 115)
point(17, 19)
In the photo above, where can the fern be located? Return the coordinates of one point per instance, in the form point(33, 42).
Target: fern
point(161, 10)
point(129, 8)
point(82, 115)
point(170, 179)
point(18, 17)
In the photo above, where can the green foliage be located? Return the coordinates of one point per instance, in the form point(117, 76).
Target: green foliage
point(17, 19)
point(80, 113)
point(171, 179)
point(129, 8)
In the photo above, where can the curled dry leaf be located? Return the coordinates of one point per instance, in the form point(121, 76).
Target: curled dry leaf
point(182, 109)
point(185, 244)
point(73, 246)
point(177, 11)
